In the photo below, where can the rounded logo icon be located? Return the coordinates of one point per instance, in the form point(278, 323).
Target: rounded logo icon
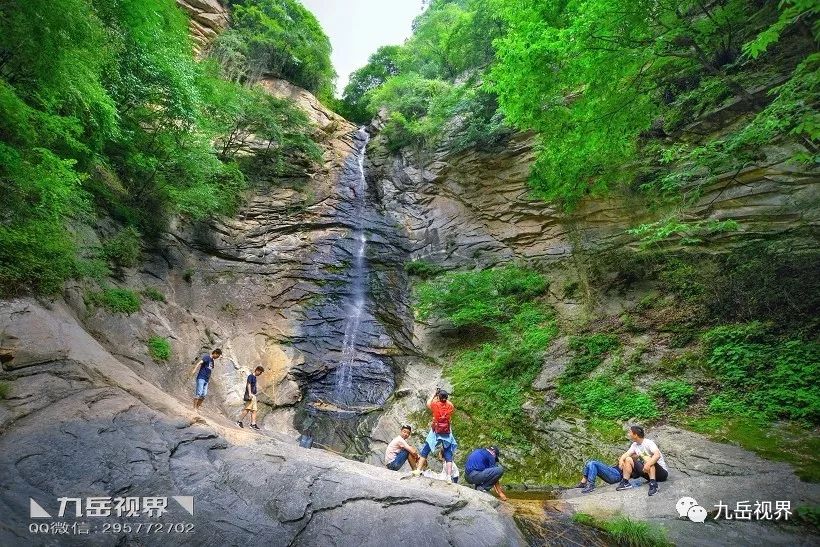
point(684, 504)
point(697, 514)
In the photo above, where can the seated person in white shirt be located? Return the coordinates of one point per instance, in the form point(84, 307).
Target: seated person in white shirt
point(643, 459)
point(400, 451)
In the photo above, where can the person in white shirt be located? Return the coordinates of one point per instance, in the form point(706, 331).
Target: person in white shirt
point(643, 459)
point(400, 451)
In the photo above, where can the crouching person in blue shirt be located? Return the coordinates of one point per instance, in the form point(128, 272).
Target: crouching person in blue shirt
point(483, 470)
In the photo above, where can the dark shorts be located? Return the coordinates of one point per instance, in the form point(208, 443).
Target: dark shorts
point(399, 461)
point(448, 452)
point(661, 474)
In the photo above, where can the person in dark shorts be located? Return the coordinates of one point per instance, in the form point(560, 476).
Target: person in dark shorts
point(643, 459)
point(483, 470)
point(205, 365)
point(250, 398)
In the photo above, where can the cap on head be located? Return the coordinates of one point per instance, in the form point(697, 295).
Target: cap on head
point(496, 451)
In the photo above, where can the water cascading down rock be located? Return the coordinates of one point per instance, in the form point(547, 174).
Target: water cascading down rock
point(347, 346)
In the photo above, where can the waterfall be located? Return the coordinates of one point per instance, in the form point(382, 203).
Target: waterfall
point(358, 286)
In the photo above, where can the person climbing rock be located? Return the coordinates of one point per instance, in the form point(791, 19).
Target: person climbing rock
point(483, 470)
point(643, 459)
point(205, 366)
point(440, 432)
point(250, 398)
point(400, 451)
point(610, 474)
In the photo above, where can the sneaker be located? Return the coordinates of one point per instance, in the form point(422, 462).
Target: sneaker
point(653, 488)
point(256, 427)
point(240, 424)
point(589, 488)
point(416, 472)
point(624, 485)
point(581, 485)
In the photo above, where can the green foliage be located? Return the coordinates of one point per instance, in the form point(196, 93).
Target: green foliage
point(603, 398)
point(277, 37)
point(492, 380)
point(116, 300)
point(764, 374)
point(124, 248)
point(674, 229)
point(159, 348)
point(590, 351)
point(103, 99)
point(153, 294)
point(380, 67)
point(625, 531)
point(4, 390)
point(675, 393)
point(792, 12)
point(432, 85)
point(422, 269)
point(483, 298)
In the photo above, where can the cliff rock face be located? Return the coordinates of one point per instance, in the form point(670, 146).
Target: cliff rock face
point(207, 18)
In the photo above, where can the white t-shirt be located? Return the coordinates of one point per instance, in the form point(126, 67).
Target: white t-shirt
point(394, 448)
point(646, 450)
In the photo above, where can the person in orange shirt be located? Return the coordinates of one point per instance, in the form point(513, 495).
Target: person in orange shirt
point(440, 432)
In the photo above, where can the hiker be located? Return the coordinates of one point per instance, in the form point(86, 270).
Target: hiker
point(483, 470)
point(250, 398)
point(205, 365)
point(440, 432)
point(643, 459)
point(610, 474)
point(400, 451)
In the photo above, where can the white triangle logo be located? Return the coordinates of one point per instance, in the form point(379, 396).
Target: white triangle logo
point(36, 511)
point(187, 503)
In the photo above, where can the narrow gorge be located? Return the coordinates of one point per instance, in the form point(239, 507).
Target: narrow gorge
point(571, 231)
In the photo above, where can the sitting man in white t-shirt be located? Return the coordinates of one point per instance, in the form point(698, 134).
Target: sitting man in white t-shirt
point(643, 459)
point(399, 451)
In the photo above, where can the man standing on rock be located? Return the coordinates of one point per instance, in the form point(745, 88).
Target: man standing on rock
point(483, 470)
point(400, 451)
point(643, 459)
point(205, 365)
point(440, 432)
point(250, 398)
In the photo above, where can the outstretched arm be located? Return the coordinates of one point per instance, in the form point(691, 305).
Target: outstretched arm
point(430, 400)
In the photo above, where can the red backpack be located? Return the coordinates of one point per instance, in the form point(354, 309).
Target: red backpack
point(441, 416)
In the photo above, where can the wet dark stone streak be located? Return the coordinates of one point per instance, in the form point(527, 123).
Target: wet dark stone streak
point(343, 419)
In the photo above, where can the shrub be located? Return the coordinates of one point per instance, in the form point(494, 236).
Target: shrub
point(117, 300)
point(123, 250)
point(626, 531)
point(675, 393)
point(4, 390)
point(764, 373)
point(422, 268)
point(153, 294)
point(601, 398)
point(159, 348)
point(485, 297)
point(589, 354)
